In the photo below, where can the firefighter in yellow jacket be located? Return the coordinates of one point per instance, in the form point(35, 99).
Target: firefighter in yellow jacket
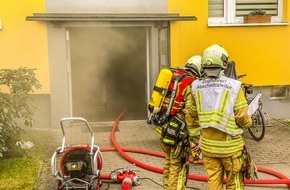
point(177, 132)
point(222, 110)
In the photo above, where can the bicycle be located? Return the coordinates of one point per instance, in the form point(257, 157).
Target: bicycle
point(258, 128)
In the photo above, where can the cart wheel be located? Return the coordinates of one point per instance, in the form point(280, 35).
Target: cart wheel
point(96, 185)
point(57, 185)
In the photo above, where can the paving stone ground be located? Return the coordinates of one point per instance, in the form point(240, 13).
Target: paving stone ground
point(272, 153)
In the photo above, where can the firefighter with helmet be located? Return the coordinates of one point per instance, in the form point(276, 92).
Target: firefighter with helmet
point(193, 65)
point(176, 133)
point(222, 110)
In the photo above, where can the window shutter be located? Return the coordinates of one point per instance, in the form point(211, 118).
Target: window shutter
point(216, 8)
point(244, 7)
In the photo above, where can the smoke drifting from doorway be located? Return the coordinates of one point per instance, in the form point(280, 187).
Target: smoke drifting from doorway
point(108, 72)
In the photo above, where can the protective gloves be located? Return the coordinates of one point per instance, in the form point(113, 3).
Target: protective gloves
point(249, 168)
point(252, 172)
point(195, 152)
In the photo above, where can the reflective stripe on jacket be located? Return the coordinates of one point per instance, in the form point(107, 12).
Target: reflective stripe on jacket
point(215, 101)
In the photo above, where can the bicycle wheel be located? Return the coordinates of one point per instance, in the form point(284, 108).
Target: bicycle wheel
point(257, 130)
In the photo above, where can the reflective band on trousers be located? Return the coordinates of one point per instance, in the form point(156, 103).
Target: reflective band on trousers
point(222, 147)
point(159, 129)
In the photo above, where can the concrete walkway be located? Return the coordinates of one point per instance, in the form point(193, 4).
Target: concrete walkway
point(273, 152)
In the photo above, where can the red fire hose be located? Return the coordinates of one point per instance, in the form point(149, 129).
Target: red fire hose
point(132, 160)
point(282, 178)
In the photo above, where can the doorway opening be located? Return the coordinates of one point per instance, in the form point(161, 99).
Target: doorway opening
point(108, 72)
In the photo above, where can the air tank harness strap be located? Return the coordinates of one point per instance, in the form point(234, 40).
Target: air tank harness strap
point(160, 90)
point(182, 147)
point(173, 131)
point(178, 102)
point(165, 116)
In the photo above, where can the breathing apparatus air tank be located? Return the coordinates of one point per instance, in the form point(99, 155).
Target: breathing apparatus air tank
point(159, 91)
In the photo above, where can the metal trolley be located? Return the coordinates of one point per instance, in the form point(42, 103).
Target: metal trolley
point(79, 165)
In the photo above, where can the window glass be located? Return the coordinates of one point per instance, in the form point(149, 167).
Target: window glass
point(279, 92)
point(233, 11)
point(244, 7)
point(216, 8)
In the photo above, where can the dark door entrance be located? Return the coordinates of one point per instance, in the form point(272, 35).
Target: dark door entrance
point(108, 72)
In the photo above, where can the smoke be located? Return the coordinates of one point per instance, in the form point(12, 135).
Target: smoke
point(108, 72)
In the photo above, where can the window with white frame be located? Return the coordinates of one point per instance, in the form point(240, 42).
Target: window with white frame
point(232, 11)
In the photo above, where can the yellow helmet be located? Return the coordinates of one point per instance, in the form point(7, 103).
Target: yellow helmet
point(215, 56)
point(193, 65)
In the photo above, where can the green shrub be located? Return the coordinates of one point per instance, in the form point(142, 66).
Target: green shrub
point(15, 88)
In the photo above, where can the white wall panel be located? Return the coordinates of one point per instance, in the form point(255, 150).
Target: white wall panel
point(106, 6)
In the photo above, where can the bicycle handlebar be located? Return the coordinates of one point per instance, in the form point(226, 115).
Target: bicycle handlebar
point(241, 76)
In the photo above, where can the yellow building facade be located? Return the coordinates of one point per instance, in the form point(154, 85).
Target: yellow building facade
point(259, 51)
point(45, 43)
point(22, 43)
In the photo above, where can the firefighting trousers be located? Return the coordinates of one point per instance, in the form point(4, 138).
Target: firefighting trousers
point(175, 169)
point(231, 166)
